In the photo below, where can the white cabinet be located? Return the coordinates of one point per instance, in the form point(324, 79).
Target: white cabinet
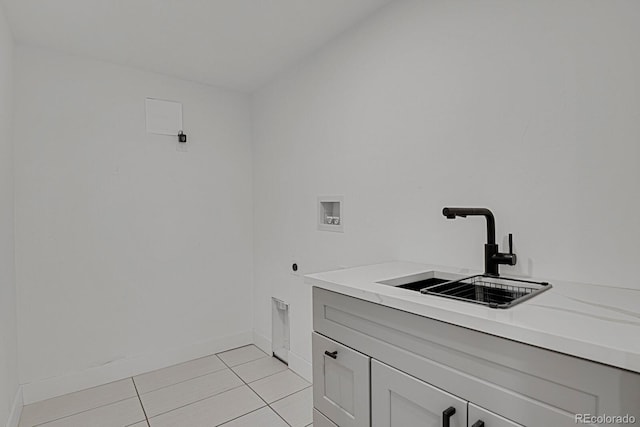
point(399, 400)
point(340, 383)
point(479, 417)
point(421, 367)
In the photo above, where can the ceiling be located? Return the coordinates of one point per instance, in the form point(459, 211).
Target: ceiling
point(238, 44)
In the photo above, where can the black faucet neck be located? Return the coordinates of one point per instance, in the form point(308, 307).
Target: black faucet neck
point(492, 257)
point(491, 229)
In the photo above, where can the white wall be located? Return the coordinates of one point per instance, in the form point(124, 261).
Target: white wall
point(8, 339)
point(130, 255)
point(529, 108)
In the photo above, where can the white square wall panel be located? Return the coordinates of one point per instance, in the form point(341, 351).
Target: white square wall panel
point(163, 117)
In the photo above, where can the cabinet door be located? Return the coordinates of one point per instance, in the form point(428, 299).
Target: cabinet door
point(399, 400)
point(340, 383)
point(479, 417)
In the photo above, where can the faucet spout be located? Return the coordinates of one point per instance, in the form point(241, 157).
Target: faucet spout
point(492, 257)
point(452, 213)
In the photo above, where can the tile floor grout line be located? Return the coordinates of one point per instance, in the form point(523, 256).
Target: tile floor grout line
point(244, 363)
point(236, 348)
point(266, 356)
point(276, 412)
point(144, 411)
point(269, 406)
point(243, 346)
point(240, 416)
point(284, 397)
point(196, 401)
point(260, 397)
point(300, 376)
point(82, 412)
point(80, 391)
point(288, 395)
point(184, 381)
point(176, 364)
point(266, 376)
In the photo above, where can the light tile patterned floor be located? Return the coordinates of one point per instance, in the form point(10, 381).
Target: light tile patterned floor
point(243, 387)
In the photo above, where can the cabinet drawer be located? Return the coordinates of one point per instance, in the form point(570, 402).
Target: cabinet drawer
point(479, 417)
point(340, 383)
point(400, 400)
point(320, 420)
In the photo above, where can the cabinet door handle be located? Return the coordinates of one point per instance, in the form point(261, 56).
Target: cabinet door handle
point(446, 416)
point(478, 423)
point(332, 354)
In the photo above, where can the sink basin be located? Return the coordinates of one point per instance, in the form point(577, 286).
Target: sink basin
point(491, 291)
point(494, 292)
point(421, 284)
point(417, 282)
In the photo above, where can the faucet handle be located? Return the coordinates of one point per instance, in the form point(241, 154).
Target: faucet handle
point(511, 258)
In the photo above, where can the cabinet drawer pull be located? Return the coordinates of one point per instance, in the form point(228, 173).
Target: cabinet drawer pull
point(478, 423)
point(446, 416)
point(332, 354)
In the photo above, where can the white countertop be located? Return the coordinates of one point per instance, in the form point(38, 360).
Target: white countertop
point(598, 323)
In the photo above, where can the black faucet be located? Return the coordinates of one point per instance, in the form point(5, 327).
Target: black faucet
point(492, 258)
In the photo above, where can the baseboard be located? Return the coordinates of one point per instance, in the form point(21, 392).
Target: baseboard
point(262, 342)
point(129, 367)
point(300, 366)
point(16, 409)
